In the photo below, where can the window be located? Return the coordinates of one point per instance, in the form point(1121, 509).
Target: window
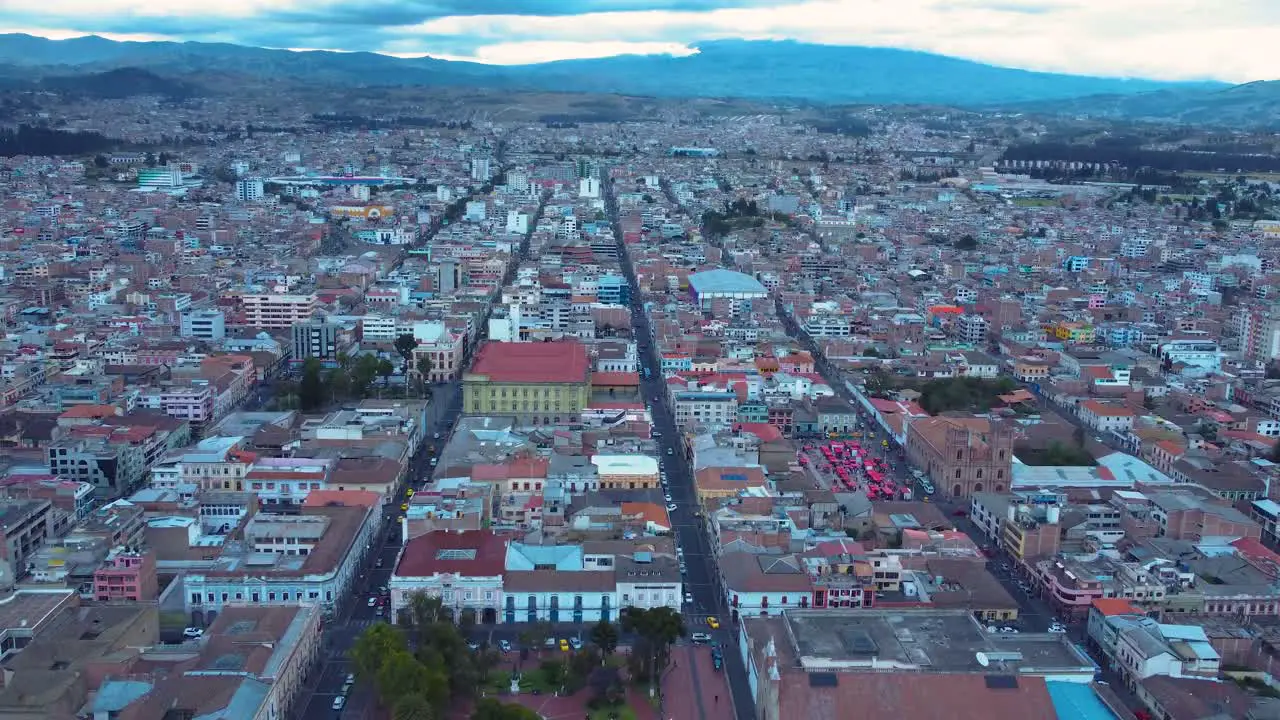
point(195, 598)
point(957, 473)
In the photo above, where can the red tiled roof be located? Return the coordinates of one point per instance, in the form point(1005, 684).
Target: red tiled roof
point(603, 379)
point(1116, 606)
point(429, 554)
point(954, 696)
point(552, 362)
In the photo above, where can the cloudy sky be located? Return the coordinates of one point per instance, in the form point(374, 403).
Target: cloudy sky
point(1232, 40)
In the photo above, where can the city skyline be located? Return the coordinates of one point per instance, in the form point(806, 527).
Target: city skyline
point(1085, 37)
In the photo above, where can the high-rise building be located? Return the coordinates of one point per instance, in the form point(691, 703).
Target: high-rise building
point(249, 190)
point(481, 168)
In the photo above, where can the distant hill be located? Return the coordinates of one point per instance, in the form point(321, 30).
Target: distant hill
point(121, 83)
point(117, 83)
point(730, 68)
point(1252, 104)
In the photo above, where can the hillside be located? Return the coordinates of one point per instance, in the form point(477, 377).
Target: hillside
point(740, 69)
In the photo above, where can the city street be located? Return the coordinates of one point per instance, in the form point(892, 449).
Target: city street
point(702, 577)
point(341, 633)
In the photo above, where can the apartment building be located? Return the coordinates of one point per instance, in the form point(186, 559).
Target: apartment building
point(277, 311)
point(127, 575)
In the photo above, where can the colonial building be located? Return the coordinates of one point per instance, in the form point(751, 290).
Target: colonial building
point(962, 455)
point(543, 383)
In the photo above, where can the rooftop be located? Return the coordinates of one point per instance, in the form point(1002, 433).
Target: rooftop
point(928, 640)
point(725, 281)
point(550, 362)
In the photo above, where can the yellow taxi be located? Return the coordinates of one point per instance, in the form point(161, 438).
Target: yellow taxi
point(409, 493)
point(564, 645)
point(714, 623)
point(404, 506)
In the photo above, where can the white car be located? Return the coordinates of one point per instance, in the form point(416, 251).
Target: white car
point(688, 598)
point(373, 601)
point(339, 702)
point(667, 497)
point(192, 633)
point(575, 643)
point(672, 507)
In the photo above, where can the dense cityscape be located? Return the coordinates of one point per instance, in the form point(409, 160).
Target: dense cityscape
point(376, 406)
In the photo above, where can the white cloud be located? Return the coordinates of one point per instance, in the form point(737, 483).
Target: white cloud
point(525, 53)
point(1160, 39)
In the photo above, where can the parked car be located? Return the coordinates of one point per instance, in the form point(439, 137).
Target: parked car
point(339, 702)
point(700, 638)
point(564, 645)
point(550, 643)
point(575, 643)
point(192, 633)
point(504, 646)
point(671, 507)
point(688, 598)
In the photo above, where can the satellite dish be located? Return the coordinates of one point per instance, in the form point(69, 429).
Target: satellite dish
point(983, 660)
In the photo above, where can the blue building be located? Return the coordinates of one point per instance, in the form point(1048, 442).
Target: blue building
point(614, 290)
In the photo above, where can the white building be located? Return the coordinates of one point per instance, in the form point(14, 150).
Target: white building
point(589, 187)
point(203, 325)
point(249, 190)
point(517, 222)
point(311, 559)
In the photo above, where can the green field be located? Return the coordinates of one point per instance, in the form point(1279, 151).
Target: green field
point(1034, 202)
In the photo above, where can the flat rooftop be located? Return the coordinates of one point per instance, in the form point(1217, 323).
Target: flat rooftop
point(929, 640)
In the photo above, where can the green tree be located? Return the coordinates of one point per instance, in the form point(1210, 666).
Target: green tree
point(605, 637)
point(553, 671)
point(413, 707)
point(966, 242)
point(311, 390)
point(405, 345)
point(374, 645)
point(386, 370)
point(658, 629)
point(363, 372)
point(401, 674)
point(490, 709)
point(424, 368)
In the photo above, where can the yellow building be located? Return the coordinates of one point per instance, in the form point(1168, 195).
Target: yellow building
point(1072, 332)
point(545, 383)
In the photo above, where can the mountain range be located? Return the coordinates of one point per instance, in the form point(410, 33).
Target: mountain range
point(760, 70)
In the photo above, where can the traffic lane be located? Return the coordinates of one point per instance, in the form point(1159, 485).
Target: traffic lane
point(319, 703)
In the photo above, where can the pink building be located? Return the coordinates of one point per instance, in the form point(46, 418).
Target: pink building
point(126, 576)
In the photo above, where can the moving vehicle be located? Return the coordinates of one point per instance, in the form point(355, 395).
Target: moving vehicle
point(504, 646)
point(688, 598)
point(575, 643)
point(564, 645)
point(714, 623)
point(192, 633)
point(700, 638)
point(672, 507)
point(339, 702)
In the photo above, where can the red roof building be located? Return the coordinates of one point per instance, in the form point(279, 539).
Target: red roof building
point(536, 363)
